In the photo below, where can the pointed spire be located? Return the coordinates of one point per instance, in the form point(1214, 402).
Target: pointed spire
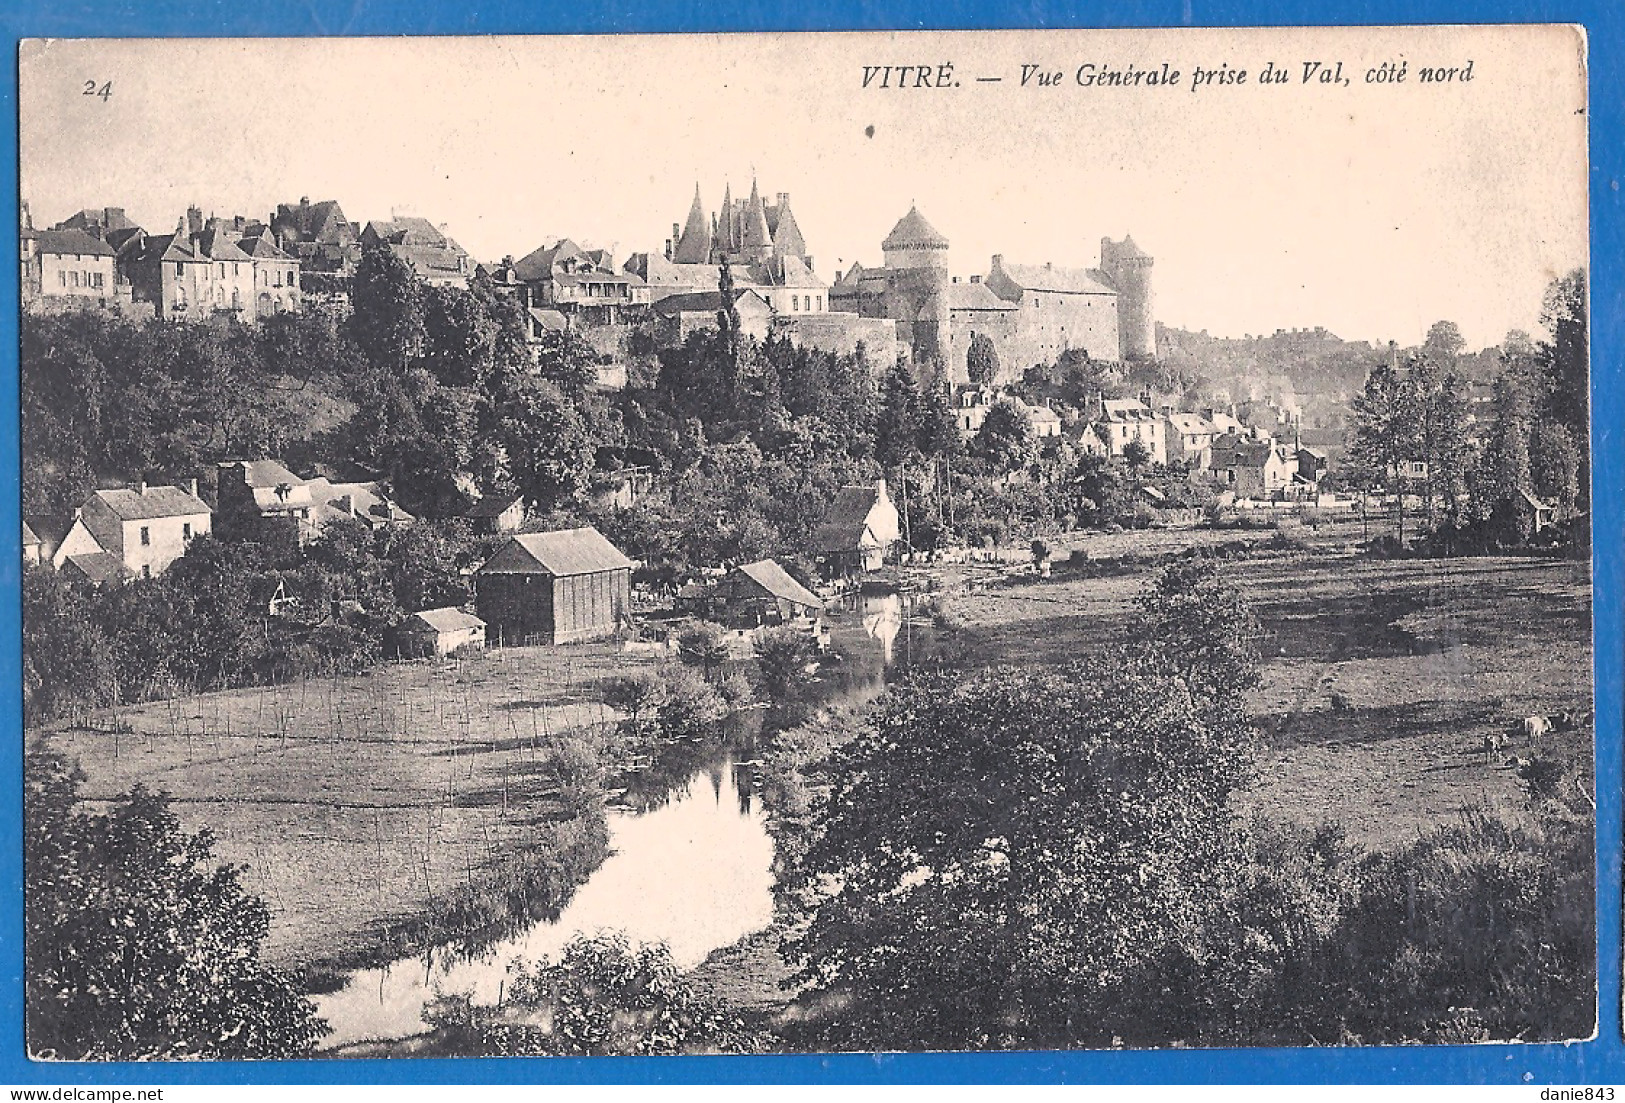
point(725, 231)
point(754, 238)
point(694, 247)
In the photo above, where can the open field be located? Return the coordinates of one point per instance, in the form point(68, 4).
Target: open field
point(1426, 657)
point(358, 799)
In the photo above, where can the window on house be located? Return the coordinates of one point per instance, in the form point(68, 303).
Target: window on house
point(820, 305)
point(146, 536)
point(62, 278)
point(795, 302)
point(180, 270)
point(76, 279)
point(186, 530)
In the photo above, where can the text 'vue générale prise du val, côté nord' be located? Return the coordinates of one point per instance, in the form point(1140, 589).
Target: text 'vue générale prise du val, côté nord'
point(1390, 72)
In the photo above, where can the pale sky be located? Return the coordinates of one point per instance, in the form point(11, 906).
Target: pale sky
point(1373, 210)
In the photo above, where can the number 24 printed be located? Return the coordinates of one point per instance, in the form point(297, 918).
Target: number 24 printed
point(105, 91)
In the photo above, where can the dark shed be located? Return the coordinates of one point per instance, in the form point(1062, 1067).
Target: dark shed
point(554, 587)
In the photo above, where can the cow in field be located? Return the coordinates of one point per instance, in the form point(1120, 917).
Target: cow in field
point(1571, 721)
point(1494, 744)
point(1536, 728)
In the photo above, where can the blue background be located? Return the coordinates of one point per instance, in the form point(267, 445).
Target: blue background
point(1599, 1061)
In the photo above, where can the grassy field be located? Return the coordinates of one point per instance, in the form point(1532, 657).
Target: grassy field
point(354, 802)
point(1426, 657)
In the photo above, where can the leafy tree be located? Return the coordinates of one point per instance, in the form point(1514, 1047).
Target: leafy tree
point(1387, 428)
point(1004, 856)
point(781, 658)
point(1554, 465)
point(1565, 355)
point(1136, 455)
point(388, 319)
point(1005, 440)
point(604, 997)
point(982, 361)
point(137, 948)
point(67, 661)
point(1443, 344)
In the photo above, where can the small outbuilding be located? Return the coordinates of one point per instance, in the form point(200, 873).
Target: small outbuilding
point(436, 632)
point(555, 587)
point(764, 593)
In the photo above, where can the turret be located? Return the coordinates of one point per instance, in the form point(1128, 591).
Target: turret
point(1130, 272)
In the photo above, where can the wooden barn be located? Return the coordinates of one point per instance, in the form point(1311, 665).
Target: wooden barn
point(436, 632)
point(554, 587)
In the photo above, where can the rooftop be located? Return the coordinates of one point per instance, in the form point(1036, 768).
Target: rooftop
point(561, 553)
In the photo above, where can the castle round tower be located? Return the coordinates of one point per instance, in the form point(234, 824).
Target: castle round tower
point(1130, 272)
point(917, 284)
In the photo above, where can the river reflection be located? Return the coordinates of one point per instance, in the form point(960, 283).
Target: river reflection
point(691, 858)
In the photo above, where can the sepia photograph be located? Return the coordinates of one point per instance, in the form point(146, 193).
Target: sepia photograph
point(795, 543)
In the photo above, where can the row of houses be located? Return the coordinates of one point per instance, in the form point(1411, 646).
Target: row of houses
point(241, 267)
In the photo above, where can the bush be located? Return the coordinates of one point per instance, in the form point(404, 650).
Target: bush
point(138, 948)
point(604, 997)
point(782, 656)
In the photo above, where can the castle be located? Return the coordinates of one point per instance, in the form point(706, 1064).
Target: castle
point(1032, 313)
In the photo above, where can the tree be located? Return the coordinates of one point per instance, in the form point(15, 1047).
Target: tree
point(1565, 355)
point(387, 318)
point(982, 361)
point(1387, 428)
point(1136, 455)
point(1005, 440)
point(781, 659)
point(67, 660)
point(137, 949)
point(1005, 855)
point(604, 997)
point(1443, 344)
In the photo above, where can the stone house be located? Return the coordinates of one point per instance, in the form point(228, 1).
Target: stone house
point(143, 530)
point(677, 317)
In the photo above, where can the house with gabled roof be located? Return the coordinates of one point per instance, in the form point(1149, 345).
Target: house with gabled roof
point(764, 594)
point(857, 531)
point(1252, 467)
point(74, 266)
point(434, 257)
point(677, 317)
point(438, 632)
point(581, 283)
point(33, 546)
point(276, 274)
point(318, 236)
point(141, 530)
point(555, 587)
point(261, 499)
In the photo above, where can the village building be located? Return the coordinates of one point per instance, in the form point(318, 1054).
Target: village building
point(263, 498)
point(276, 274)
point(362, 502)
point(1252, 467)
point(439, 632)
point(495, 514)
point(857, 532)
point(195, 273)
point(73, 265)
point(435, 258)
point(143, 530)
point(678, 317)
point(554, 588)
point(1189, 440)
point(1536, 514)
point(1129, 419)
point(318, 236)
point(580, 284)
point(33, 547)
point(764, 594)
point(1312, 464)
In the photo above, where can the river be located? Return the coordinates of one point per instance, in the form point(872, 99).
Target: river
point(690, 864)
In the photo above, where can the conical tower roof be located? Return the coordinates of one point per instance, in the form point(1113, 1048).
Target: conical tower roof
point(914, 232)
point(754, 235)
point(726, 235)
point(787, 239)
point(694, 247)
point(1129, 249)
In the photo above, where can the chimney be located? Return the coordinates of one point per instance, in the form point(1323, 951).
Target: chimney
point(998, 261)
point(141, 488)
point(194, 220)
point(676, 233)
point(191, 486)
point(976, 279)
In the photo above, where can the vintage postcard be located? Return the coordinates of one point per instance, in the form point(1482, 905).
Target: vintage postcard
point(785, 543)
